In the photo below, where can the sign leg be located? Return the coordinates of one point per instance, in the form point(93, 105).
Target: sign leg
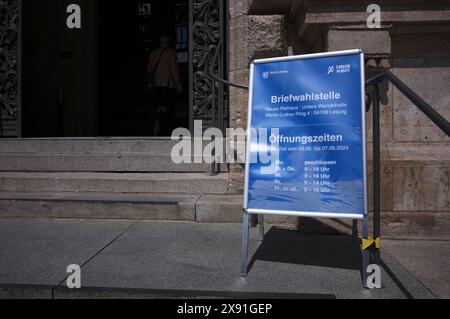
point(244, 254)
point(261, 226)
point(354, 230)
point(365, 252)
point(376, 176)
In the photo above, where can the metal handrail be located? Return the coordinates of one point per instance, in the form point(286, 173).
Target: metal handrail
point(226, 82)
point(423, 106)
point(214, 77)
point(429, 111)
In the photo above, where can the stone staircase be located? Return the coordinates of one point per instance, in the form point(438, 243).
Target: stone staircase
point(116, 178)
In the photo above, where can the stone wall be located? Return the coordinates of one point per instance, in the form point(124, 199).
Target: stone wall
point(415, 153)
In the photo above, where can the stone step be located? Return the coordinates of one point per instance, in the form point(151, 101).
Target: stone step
point(60, 182)
point(131, 206)
point(419, 224)
point(76, 162)
point(97, 145)
point(202, 208)
point(98, 206)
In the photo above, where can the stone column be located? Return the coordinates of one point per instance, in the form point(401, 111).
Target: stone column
point(250, 37)
point(238, 73)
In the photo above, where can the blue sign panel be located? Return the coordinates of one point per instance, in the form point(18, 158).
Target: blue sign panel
point(306, 136)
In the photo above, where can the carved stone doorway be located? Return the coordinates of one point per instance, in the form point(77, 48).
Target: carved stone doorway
point(69, 79)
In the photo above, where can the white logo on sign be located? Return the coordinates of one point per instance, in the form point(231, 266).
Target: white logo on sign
point(338, 69)
point(330, 69)
point(265, 75)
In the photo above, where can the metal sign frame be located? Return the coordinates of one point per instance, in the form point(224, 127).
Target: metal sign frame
point(261, 212)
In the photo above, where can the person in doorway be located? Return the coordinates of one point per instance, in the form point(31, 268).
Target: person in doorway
point(163, 64)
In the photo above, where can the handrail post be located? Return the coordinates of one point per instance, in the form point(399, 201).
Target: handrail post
point(376, 173)
point(214, 98)
point(213, 121)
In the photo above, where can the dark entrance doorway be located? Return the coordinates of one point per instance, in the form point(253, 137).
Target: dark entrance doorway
point(91, 81)
point(128, 32)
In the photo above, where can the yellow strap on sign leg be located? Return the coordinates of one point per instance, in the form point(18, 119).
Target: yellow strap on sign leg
point(367, 243)
point(377, 242)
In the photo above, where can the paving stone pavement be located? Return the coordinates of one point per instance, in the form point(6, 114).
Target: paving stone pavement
point(129, 259)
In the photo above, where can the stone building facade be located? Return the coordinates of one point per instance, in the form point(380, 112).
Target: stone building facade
point(413, 41)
